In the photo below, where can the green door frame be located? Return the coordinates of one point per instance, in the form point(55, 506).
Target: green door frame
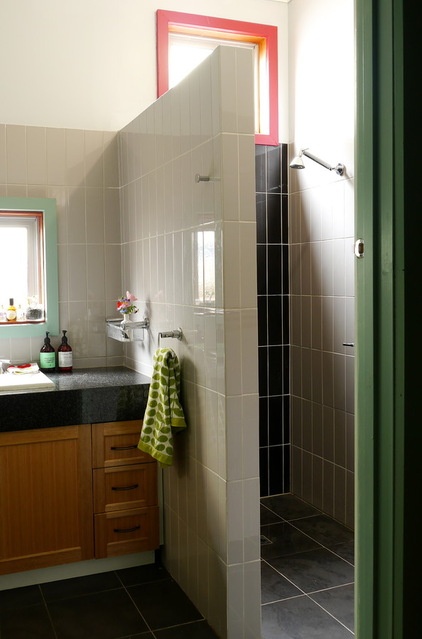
point(388, 429)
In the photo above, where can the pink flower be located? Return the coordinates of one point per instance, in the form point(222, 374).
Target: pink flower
point(125, 305)
point(130, 296)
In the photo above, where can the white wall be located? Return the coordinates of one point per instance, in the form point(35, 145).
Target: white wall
point(321, 80)
point(91, 65)
point(211, 493)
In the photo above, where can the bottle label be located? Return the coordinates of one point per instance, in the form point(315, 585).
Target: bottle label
point(65, 359)
point(10, 315)
point(47, 360)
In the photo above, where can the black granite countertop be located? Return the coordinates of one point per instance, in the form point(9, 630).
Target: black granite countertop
point(85, 396)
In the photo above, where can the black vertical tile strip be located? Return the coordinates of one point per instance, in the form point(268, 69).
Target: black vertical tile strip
point(284, 168)
point(263, 472)
point(274, 320)
point(261, 258)
point(285, 269)
point(274, 269)
point(273, 317)
point(261, 218)
point(285, 319)
point(275, 420)
point(286, 468)
point(260, 168)
point(286, 419)
point(263, 421)
point(273, 218)
point(276, 472)
point(263, 371)
point(286, 369)
point(273, 170)
point(262, 320)
point(285, 219)
point(275, 366)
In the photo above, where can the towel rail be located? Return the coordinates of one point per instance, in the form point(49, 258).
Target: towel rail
point(177, 334)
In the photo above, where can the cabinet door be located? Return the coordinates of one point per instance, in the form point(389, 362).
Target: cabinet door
point(45, 497)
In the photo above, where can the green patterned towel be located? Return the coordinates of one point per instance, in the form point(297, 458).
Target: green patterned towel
point(163, 414)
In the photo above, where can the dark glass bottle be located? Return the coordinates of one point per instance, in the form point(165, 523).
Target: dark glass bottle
point(47, 356)
point(65, 356)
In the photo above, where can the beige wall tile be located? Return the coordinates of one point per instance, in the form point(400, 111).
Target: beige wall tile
point(16, 158)
point(36, 144)
point(56, 157)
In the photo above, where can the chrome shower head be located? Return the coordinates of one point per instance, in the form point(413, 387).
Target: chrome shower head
point(297, 162)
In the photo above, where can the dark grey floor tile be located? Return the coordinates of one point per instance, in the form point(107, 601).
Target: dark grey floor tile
point(142, 635)
point(20, 597)
point(346, 550)
point(299, 618)
point(339, 602)
point(163, 603)
point(102, 615)
point(195, 630)
point(77, 586)
point(315, 570)
point(31, 623)
point(325, 530)
point(285, 540)
point(268, 516)
point(274, 586)
point(289, 506)
point(142, 574)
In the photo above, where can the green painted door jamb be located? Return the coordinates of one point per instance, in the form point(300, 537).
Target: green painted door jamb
point(380, 324)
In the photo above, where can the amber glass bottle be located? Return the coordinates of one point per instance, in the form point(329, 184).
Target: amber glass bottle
point(65, 356)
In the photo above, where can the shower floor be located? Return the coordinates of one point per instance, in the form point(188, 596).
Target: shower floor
point(307, 567)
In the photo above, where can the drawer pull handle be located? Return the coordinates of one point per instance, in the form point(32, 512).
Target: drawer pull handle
point(132, 487)
point(132, 447)
point(126, 530)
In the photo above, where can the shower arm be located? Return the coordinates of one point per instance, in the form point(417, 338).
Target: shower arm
point(339, 168)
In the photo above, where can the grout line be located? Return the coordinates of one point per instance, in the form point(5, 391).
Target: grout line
point(48, 611)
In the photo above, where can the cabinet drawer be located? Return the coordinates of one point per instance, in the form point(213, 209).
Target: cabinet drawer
point(116, 444)
point(126, 531)
point(123, 487)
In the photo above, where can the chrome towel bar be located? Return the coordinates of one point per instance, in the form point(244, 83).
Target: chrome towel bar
point(177, 334)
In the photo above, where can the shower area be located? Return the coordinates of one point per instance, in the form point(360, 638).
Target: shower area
point(305, 265)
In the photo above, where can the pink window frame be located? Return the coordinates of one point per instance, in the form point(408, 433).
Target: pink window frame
point(166, 20)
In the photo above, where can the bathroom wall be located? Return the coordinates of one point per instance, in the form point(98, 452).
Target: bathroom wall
point(80, 170)
point(321, 227)
point(211, 493)
point(92, 65)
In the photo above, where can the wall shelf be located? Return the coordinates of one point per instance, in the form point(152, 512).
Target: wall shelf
point(126, 331)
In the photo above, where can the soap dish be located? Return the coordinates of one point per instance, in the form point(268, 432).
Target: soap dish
point(126, 331)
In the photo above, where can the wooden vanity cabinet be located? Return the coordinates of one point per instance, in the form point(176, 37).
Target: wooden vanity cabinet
point(125, 491)
point(45, 497)
point(73, 493)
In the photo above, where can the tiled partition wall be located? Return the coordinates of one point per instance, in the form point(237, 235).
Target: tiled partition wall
point(321, 215)
point(80, 170)
point(273, 318)
point(189, 255)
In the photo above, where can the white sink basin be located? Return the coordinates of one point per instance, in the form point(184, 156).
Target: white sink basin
point(27, 381)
